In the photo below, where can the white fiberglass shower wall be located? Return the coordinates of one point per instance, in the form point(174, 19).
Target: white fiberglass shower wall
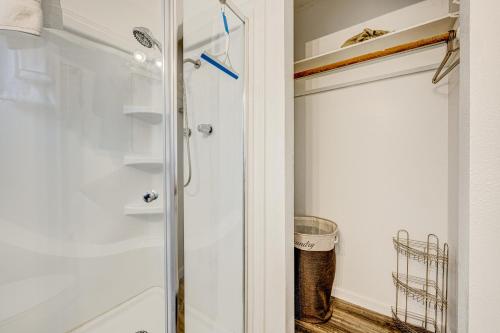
point(81, 140)
point(213, 270)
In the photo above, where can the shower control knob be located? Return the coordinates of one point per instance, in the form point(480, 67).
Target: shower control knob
point(150, 196)
point(206, 129)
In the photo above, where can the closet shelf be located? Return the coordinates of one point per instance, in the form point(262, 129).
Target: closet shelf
point(415, 288)
point(143, 161)
point(135, 210)
point(144, 113)
point(422, 35)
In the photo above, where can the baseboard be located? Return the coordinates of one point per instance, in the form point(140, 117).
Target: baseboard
point(360, 302)
point(365, 302)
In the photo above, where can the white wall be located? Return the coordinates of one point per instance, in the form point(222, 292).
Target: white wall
point(481, 74)
point(464, 173)
point(378, 157)
point(374, 159)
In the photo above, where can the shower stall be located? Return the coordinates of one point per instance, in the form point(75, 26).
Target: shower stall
point(122, 183)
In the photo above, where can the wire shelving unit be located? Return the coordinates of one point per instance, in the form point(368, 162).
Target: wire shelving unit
point(431, 290)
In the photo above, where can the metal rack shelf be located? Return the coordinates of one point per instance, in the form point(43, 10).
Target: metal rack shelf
point(420, 250)
point(410, 322)
point(415, 287)
point(431, 290)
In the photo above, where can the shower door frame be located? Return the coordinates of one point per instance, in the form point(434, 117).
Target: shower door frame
point(170, 81)
point(170, 158)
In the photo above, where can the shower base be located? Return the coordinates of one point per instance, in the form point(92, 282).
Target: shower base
point(142, 313)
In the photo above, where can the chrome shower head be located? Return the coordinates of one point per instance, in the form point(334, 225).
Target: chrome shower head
point(145, 37)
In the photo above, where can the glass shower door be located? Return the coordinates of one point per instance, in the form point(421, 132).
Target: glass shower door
point(82, 142)
point(213, 239)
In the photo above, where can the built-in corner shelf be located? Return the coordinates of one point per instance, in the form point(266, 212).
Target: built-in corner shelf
point(142, 210)
point(142, 161)
point(144, 113)
point(422, 35)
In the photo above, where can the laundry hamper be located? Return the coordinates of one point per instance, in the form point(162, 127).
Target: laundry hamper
point(315, 240)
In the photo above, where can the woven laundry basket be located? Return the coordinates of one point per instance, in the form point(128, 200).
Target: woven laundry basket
point(315, 240)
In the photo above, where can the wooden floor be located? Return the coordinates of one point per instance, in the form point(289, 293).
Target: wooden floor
point(180, 308)
point(346, 318)
point(349, 318)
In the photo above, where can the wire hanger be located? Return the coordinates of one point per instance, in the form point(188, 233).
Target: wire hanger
point(450, 51)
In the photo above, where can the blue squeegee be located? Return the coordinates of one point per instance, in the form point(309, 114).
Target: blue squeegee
point(219, 65)
point(212, 60)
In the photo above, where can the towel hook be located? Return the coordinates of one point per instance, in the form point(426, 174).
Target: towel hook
point(450, 50)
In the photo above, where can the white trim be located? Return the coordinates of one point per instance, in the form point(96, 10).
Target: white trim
point(246, 118)
point(255, 184)
point(365, 302)
point(270, 197)
point(370, 79)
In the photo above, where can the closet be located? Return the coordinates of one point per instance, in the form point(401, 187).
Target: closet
point(376, 134)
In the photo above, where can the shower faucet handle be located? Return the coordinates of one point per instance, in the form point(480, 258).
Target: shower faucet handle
point(150, 196)
point(206, 129)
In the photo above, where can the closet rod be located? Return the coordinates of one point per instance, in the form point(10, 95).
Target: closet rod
point(437, 39)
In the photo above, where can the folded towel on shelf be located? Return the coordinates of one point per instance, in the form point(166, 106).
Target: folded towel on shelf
point(365, 35)
point(21, 15)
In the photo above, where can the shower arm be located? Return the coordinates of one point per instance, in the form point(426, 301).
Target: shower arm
point(196, 63)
